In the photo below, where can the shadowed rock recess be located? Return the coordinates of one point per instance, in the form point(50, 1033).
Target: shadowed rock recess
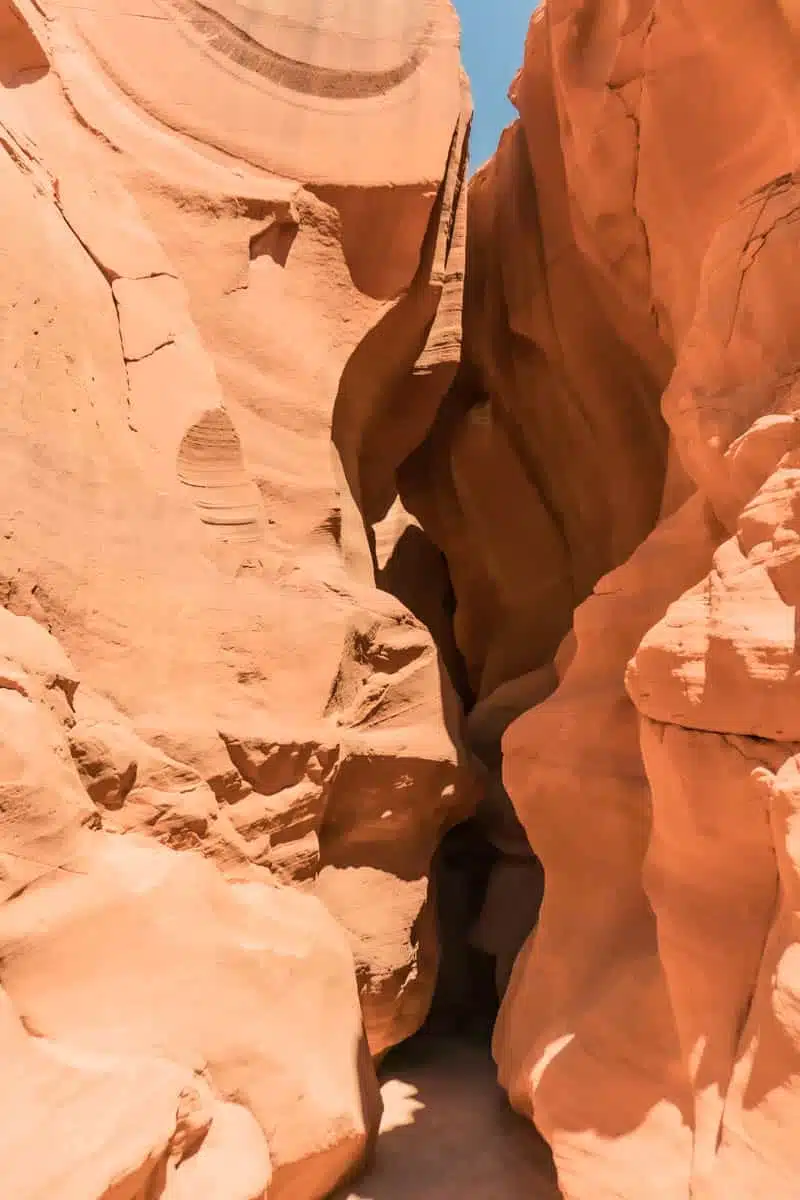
point(398, 604)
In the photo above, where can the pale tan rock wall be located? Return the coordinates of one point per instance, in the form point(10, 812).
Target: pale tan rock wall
point(218, 734)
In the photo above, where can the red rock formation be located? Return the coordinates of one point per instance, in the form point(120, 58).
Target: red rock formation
point(248, 470)
point(633, 246)
point(217, 221)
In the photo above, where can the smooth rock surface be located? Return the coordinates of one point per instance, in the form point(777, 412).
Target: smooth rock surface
point(613, 479)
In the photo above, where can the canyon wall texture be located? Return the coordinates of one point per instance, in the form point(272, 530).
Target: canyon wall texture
point(227, 757)
point(306, 449)
point(623, 436)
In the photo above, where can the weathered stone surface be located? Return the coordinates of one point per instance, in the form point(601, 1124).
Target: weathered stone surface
point(136, 950)
point(617, 462)
point(215, 218)
point(268, 503)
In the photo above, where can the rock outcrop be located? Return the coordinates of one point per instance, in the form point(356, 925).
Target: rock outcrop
point(233, 235)
point(623, 437)
point(306, 449)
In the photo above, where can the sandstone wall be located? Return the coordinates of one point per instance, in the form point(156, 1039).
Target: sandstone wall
point(622, 437)
point(217, 733)
point(302, 445)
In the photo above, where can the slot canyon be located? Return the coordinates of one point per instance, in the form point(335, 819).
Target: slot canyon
point(399, 775)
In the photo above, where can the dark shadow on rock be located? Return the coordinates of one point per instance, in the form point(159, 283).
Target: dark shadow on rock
point(465, 1000)
point(275, 241)
point(416, 573)
point(22, 59)
point(397, 217)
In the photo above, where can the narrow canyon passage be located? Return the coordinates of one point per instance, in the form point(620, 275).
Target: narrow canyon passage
point(448, 1133)
point(378, 545)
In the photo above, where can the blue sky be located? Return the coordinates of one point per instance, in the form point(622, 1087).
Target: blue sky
point(492, 41)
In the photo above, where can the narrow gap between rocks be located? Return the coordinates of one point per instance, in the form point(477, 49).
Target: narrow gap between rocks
point(448, 1130)
point(486, 881)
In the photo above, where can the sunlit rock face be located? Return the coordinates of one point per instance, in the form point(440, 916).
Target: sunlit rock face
point(362, 94)
point(216, 218)
point(295, 434)
point(623, 437)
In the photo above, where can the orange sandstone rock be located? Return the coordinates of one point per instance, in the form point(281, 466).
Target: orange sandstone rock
point(647, 190)
point(250, 473)
point(206, 696)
